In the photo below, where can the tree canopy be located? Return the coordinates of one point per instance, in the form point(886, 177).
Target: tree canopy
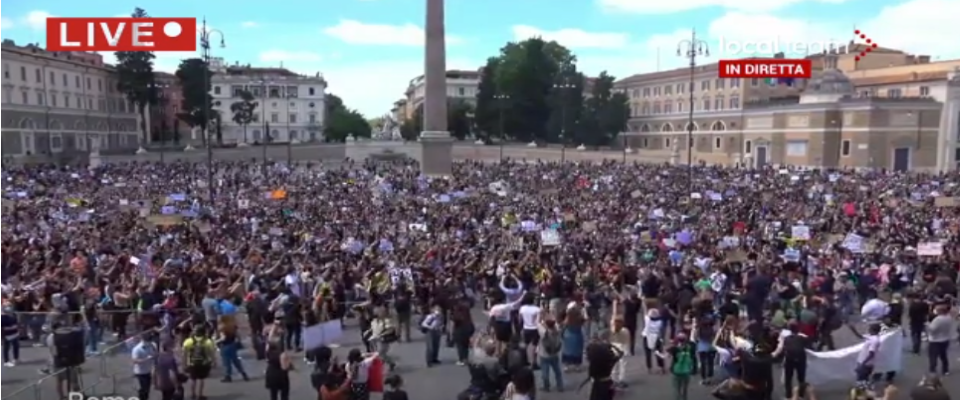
point(135, 78)
point(341, 122)
point(533, 91)
point(196, 110)
point(244, 111)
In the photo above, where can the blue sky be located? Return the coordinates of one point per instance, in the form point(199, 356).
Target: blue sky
point(369, 49)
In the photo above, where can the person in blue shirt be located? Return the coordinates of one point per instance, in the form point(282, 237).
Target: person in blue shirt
point(144, 355)
point(11, 338)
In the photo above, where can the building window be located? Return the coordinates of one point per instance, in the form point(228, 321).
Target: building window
point(681, 87)
point(293, 118)
point(313, 118)
point(89, 83)
point(734, 103)
point(924, 91)
point(735, 83)
point(56, 142)
point(293, 135)
point(748, 147)
point(894, 93)
point(706, 104)
point(705, 85)
point(668, 90)
point(274, 118)
point(80, 102)
point(666, 143)
point(66, 101)
point(63, 78)
point(292, 92)
point(717, 143)
point(100, 84)
point(39, 75)
point(76, 81)
point(645, 143)
point(720, 84)
point(718, 104)
point(845, 148)
point(797, 148)
point(6, 71)
point(25, 98)
point(40, 101)
point(236, 90)
point(53, 79)
point(53, 100)
point(656, 108)
point(668, 108)
point(679, 106)
point(754, 82)
point(23, 74)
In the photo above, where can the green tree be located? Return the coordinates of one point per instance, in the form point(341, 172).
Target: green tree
point(606, 113)
point(527, 75)
point(244, 111)
point(411, 128)
point(343, 122)
point(487, 111)
point(197, 106)
point(460, 118)
point(135, 79)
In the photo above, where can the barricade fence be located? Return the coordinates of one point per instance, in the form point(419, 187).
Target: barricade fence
point(99, 376)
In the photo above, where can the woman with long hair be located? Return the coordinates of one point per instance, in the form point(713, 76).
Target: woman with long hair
point(573, 336)
point(279, 365)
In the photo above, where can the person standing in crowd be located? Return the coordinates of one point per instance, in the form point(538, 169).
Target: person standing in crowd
point(279, 365)
point(602, 359)
point(574, 338)
point(940, 332)
point(403, 306)
point(632, 307)
point(383, 334)
point(11, 337)
point(551, 345)
point(704, 333)
point(500, 318)
point(336, 386)
point(432, 327)
point(229, 345)
point(619, 339)
point(530, 318)
point(918, 313)
point(144, 355)
point(200, 352)
point(166, 377)
point(463, 331)
point(653, 340)
point(513, 291)
point(867, 358)
point(358, 368)
point(793, 346)
point(394, 384)
point(683, 362)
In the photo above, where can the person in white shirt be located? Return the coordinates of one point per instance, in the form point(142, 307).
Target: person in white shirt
point(620, 339)
point(500, 319)
point(653, 339)
point(530, 321)
point(874, 310)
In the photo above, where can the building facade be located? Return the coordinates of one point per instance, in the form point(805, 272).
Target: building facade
point(461, 85)
point(57, 103)
point(164, 126)
point(290, 107)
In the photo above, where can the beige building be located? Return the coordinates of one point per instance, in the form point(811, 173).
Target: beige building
point(58, 103)
point(461, 85)
point(872, 116)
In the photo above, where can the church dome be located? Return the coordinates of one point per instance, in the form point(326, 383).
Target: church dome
point(829, 81)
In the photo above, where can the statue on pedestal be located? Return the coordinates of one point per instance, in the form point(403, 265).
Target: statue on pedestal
point(675, 153)
point(351, 138)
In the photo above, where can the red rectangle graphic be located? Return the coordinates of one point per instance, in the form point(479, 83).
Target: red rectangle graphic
point(766, 68)
point(121, 34)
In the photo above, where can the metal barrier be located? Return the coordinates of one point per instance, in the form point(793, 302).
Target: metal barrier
point(101, 377)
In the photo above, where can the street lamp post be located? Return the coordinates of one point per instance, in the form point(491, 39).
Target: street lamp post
point(502, 100)
point(205, 35)
point(564, 86)
point(692, 49)
point(160, 90)
point(264, 95)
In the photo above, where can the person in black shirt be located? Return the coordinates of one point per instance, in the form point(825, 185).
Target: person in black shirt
point(11, 337)
point(602, 358)
point(757, 374)
point(794, 350)
point(918, 312)
point(632, 307)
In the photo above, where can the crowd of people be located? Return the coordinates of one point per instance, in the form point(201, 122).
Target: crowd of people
point(713, 274)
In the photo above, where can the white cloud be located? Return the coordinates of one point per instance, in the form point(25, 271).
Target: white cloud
point(356, 32)
point(6, 23)
point(918, 26)
point(37, 20)
point(573, 38)
point(673, 6)
point(283, 56)
point(250, 24)
point(167, 61)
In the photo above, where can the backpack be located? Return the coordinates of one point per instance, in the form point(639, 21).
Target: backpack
point(552, 342)
point(683, 363)
point(199, 352)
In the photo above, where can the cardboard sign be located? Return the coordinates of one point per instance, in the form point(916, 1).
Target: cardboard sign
point(945, 201)
point(165, 220)
point(589, 226)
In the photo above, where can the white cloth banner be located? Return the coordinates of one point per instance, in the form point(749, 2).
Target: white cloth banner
point(840, 365)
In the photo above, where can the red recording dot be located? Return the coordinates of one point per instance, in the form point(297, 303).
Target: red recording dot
point(857, 58)
point(869, 49)
point(856, 32)
point(863, 36)
point(869, 41)
point(876, 45)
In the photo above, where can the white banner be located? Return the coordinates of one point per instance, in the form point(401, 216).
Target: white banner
point(840, 365)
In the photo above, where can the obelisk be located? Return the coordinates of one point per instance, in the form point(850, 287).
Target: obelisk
point(436, 145)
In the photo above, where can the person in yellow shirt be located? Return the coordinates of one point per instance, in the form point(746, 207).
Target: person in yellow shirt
point(200, 353)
